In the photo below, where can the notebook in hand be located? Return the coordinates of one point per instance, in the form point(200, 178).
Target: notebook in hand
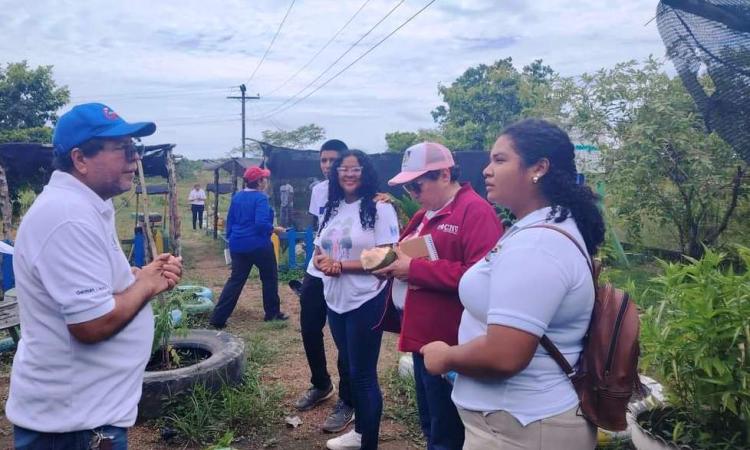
point(420, 247)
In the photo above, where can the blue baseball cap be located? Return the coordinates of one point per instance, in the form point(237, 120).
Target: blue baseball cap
point(94, 120)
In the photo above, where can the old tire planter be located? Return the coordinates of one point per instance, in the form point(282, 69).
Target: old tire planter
point(202, 302)
point(226, 365)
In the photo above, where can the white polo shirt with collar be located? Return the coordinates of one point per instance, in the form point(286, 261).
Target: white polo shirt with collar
point(68, 264)
point(538, 282)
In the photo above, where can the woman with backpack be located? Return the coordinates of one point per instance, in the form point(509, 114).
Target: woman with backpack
point(510, 393)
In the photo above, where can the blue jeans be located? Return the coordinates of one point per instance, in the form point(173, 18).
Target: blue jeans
point(360, 345)
point(438, 417)
point(25, 439)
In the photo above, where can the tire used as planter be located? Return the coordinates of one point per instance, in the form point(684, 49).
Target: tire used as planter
point(202, 302)
point(226, 365)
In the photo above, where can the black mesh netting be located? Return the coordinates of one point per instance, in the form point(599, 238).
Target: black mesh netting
point(711, 38)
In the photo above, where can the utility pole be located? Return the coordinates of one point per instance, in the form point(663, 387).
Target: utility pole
point(244, 97)
point(243, 90)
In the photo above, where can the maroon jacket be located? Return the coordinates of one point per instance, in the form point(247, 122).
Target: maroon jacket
point(463, 232)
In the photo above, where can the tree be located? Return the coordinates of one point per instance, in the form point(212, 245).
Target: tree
point(29, 99)
point(299, 138)
point(661, 162)
point(485, 99)
point(398, 141)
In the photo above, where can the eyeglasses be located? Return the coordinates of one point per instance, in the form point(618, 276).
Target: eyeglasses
point(349, 170)
point(128, 148)
point(414, 187)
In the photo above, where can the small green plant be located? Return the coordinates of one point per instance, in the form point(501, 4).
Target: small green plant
point(695, 339)
point(165, 324)
point(224, 442)
point(401, 405)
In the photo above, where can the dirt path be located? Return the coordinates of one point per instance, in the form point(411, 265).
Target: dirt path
point(205, 266)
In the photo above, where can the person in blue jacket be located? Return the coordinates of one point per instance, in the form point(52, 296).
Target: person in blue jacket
point(249, 227)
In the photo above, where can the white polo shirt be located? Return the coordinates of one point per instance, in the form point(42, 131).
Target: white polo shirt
point(68, 264)
point(536, 281)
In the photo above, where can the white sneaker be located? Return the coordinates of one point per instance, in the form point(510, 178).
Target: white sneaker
point(349, 441)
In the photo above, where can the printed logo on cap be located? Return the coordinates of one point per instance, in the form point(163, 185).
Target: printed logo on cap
point(405, 160)
point(109, 114)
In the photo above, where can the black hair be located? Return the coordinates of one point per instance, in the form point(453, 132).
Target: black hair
point(89, 148)
point(334, 145)
point(253, 184)
point(455, 172)
point(366, 191)
point(534, 139)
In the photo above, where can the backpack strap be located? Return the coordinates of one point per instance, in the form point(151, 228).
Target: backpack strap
point(548, 345)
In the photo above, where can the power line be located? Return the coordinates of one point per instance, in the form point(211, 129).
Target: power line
point(319, 51)
point(191, 118)
point(274, 110)
point(151, 94)
point(272, 41)
point(278, 110)
point(200, 122)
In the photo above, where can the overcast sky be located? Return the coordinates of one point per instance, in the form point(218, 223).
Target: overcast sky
point(175, 62)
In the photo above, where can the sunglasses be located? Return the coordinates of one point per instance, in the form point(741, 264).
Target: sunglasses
point(414, 187)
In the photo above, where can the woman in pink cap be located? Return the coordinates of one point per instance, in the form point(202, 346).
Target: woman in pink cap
point(248, 231)
point(424, 304)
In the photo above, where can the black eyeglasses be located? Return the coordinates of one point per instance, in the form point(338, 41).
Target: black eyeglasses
point(129, 148)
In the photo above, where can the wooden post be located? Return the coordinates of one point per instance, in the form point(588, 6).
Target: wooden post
point(174, 214)
point(147, 223)
point(216, 203)
point(5, 207)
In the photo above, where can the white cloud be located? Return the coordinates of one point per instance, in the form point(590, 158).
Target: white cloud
point(174, 61)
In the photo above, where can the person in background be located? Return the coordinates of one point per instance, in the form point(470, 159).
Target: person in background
point(197, 199)
point(286, 197)
point(86, 322)
point(424, 293)
point(354, 221)
point(509, 391)
point(312, 317)
point(249, 226)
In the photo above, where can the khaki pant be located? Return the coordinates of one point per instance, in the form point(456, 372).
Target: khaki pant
point(500, 430)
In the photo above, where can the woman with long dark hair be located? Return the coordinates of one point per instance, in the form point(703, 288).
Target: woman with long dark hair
point(509, 392)
point(353, 222)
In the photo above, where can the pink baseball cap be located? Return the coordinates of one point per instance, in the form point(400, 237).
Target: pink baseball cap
point(420, 159)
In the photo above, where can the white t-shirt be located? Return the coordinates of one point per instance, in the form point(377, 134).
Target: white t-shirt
point(539, 282)
point(343, 239)
point(286, 195)
point(197, 197)
point(318, 200)
point(68, 264)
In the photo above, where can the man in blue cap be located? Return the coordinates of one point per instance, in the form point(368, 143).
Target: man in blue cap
point(86, 325)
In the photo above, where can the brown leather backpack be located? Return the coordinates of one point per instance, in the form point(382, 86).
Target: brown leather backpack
point(606, 375)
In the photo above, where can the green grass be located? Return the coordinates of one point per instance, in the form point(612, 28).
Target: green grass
point(249, 410)
point(401, 405)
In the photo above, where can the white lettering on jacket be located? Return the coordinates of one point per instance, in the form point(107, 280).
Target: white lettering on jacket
point(448, 228)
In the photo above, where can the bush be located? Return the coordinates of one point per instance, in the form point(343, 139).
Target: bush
point(695, 339)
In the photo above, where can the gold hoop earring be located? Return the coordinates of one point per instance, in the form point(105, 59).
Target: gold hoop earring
point(535, 179)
